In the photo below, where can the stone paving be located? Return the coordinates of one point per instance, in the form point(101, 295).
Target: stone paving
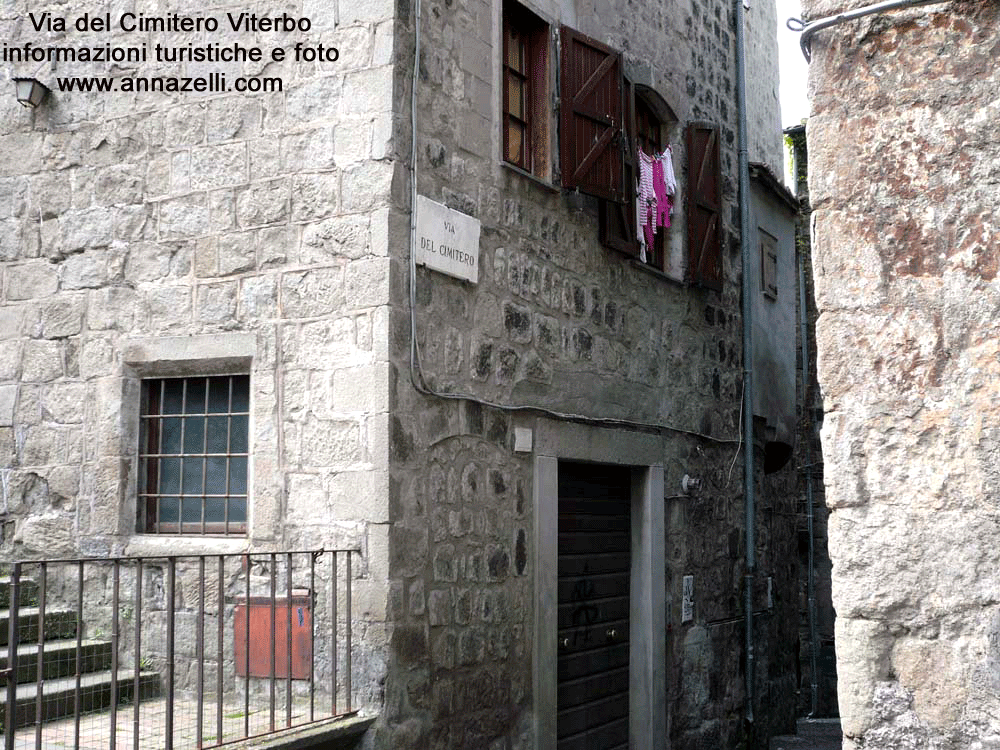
point(811, 734)
point(95, 728)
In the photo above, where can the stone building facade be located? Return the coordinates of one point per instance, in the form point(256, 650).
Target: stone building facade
point(265, 239)
point(905, 259)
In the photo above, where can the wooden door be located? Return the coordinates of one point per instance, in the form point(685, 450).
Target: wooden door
point(593, 622)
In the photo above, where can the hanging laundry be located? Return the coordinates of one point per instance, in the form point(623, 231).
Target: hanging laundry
point(646, 197)
point(664, 186)
point(655, 191)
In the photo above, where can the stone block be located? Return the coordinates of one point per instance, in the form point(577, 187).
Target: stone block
point(352, 142)
point(315, 196)
point(27, 146)
point(330, 444)
point(262, 203)
point(277, 245)
point(219, 166)
point(63, 317)
point(63, 403)
point(119, 184)
point(230, 118)
point(237, 252)
point(17, 240)
point(367, 92)
point(8, 397)
point(135, 222)
point(360, 495)
point(258, 298)
point(337, 236)
point(217, 304)
point(87, 270)
point(312, 293)
point(112, 308)
point(368, 186)
point(184, 125)
point(31, 280)
point(43, 361)
point(184, 217)
point(180, 172)
point(51, 535)
point(364, 11)
point(168, 308)
point(366, 282)
point(96, 357)
point(312, 150)
point(314, 100)
point(439, 608)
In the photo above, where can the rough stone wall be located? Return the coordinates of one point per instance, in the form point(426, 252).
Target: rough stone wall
point(126, 219)
point(559, 322)
point(905, 260)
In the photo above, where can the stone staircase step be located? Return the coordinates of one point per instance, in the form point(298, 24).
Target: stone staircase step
point(59, 659)
point(59, 623)
point(59, 701)
point(28, 594)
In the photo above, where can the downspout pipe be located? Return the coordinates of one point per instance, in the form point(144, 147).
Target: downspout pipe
point(748, 296)
point(809, 29)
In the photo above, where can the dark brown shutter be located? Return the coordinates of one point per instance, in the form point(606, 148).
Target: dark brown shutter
point(590, 118)
point(617, 226)
point(704, 217)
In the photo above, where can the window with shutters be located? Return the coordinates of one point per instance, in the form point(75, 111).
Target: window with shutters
point(525, 127)
point(647, 122)
point(704, 202)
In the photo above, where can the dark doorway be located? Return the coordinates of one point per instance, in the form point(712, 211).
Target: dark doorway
point(594, 572)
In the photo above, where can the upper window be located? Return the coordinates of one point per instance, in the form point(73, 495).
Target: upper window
point(193, 453)
point(525, 87)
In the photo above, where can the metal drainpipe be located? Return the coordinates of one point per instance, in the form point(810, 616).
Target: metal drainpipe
point(748, 445)
point(808, 29)
point(811, 577)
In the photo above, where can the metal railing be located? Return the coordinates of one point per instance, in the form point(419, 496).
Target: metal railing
point(172, 652)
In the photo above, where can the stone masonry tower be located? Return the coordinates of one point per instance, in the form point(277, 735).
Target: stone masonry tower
point(903, 174)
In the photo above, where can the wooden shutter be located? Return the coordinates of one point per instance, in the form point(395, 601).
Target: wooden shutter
point(590, 118)
point(704, 204)
point(617, 226)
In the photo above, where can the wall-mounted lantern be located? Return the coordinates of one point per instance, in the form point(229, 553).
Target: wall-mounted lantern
point(30, 91)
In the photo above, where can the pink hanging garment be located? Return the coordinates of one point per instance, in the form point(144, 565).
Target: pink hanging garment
point(662, 211)
point(647, 197)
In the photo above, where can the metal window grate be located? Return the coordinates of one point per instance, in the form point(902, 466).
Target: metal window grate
point(193, 454)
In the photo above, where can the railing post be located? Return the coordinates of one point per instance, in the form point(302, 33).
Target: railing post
point(10, 712)
point(40, 656)
point(78, 690)
point(137, 667)
point(171, 603)
point(115, 640)
point(347, 654)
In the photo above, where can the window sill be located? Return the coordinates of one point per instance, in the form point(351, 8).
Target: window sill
point(539, 181)
point(653, 271)
point(172, 545)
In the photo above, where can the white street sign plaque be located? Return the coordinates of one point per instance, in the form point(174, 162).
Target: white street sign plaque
point(447, 240)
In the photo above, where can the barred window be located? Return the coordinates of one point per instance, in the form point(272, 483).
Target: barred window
point(193, 453)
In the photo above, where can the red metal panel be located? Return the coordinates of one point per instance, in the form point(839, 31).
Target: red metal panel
point(261, 632)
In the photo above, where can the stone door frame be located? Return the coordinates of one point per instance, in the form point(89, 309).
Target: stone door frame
point(555, 441)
